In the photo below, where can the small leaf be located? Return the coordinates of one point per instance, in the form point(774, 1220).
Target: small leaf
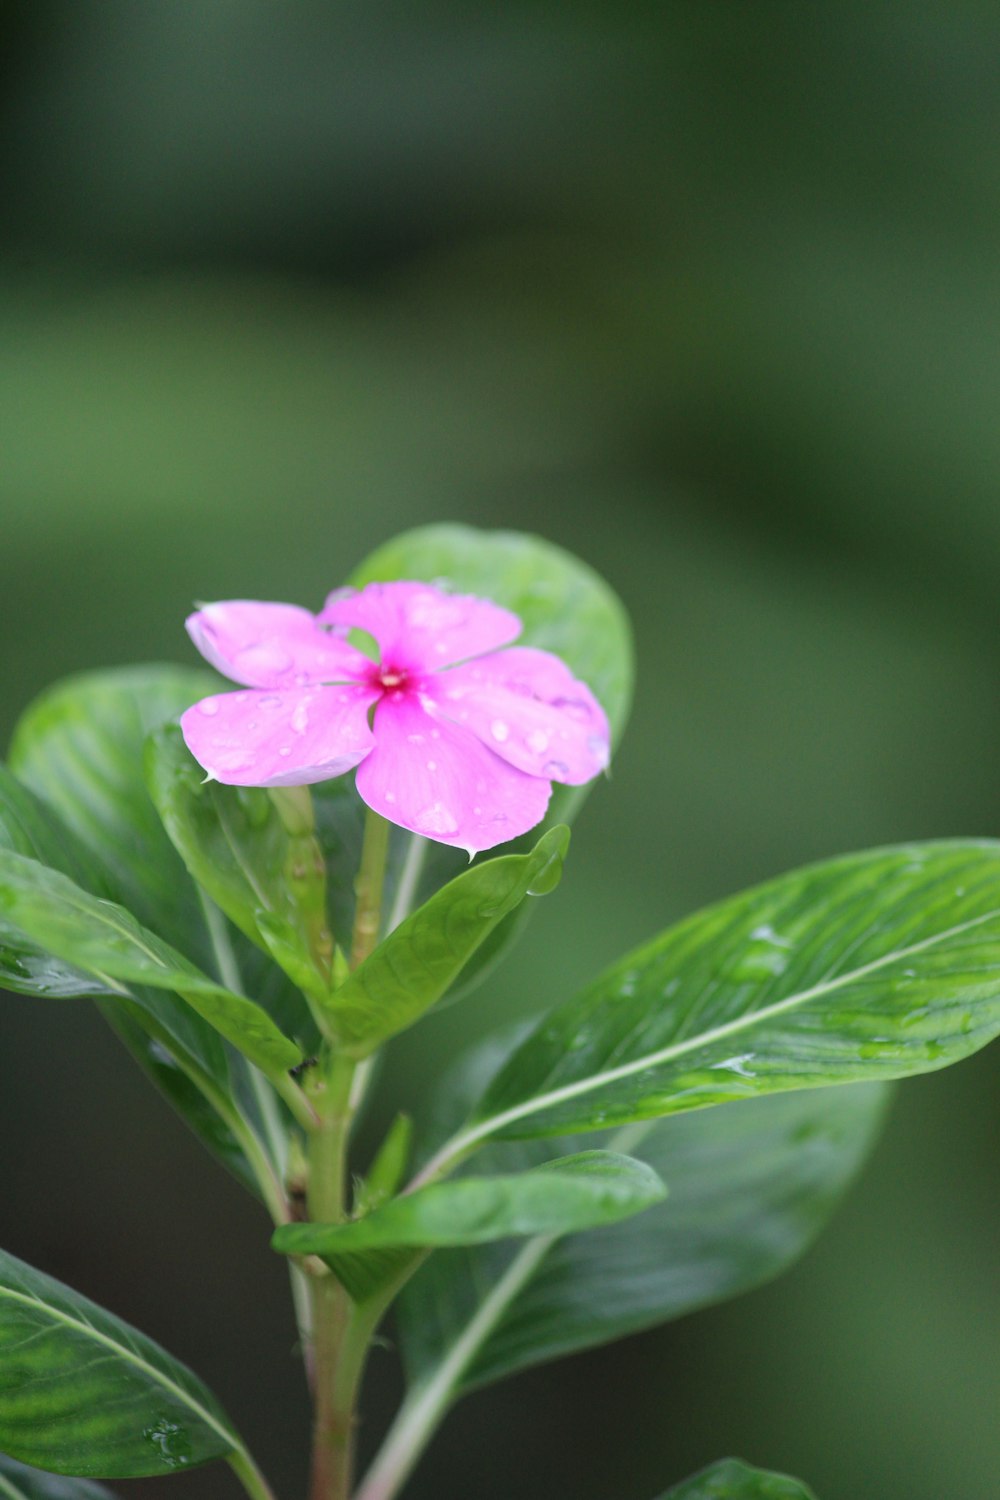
point(21, 1482)
point(106, 940)
point(413, 967)
point(386, 1171)
point(266, 876)
point(83, 1393)
point(575, 1192)
point(731, 1479)
point(874, 966)
point(751, 1185)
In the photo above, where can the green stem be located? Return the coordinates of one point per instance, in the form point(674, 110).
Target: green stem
point(368, 911)
point(342, 1331)
point(250, 1476)
point(421, 1413)
point(335, 1360)
point(409, 878)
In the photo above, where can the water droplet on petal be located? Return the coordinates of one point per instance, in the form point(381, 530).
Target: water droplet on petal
point(555, 770)
point(538, 741)
point(270, 700)
point(209, 707)
point(436, 818)
point(499, 730)
point(415, 739)
point(575, 708)
point(300, 718)
point(390, 796)
point(599, 749)
point(285, 750)
point(432, 765)
point(264, 658)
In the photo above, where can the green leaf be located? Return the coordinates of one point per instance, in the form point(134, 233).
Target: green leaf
point(567, 609)
point(83, 1393)
point(414, 966)
point(873, 966)
point(106, 940)
point(264, 870)
point(750, 1187)
point(21, 1482)
point(574, 1192)
point(80, 748)
point(27, 827)
point(386, 1171)
point(731, 1479)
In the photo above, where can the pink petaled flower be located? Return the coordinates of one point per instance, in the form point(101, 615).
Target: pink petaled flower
point(465, 739)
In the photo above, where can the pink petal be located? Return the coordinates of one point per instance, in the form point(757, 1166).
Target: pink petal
point(272, 645)
point(440, 781)
point(527, 706)
point(419, 627)
point(280, 739)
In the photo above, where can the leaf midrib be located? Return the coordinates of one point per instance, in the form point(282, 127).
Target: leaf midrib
point(481, 1130)
point(131, 1357)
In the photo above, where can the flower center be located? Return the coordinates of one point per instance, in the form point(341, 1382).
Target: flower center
point(392, 679)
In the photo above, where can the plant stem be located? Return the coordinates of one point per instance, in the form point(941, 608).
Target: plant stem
point(422, 1411)
point(342, 1330)
point(368, 911)
point(250, 1476)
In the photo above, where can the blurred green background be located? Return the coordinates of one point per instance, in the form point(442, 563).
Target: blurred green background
point(708, 293)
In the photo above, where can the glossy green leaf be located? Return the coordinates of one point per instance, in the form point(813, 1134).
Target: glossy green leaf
point(558, 1197)
point(22, 1482)
point(731, 1479)
point(414, 966)
point(83, 1393)
point(28, 827)
point(750, 1186)
point(80, 748)
point(566, 608)
point(873, 966)
point(386, 1172)
point(263, 869)
point(106, 940)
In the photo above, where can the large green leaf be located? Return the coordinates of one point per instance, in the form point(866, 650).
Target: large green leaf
point(21, 1482)
point(80, 748)
point(414, 966)
point(873, 966)
point(28, 827)
point(731, 1479)
point(106, 940)
point(566, 608)
point(750, 1186)
point(263, 869)
point(83, 1393)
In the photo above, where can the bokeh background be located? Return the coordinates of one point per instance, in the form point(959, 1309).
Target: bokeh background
point(707, 293)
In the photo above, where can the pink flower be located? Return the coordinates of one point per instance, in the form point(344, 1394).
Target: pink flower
point(465, 739)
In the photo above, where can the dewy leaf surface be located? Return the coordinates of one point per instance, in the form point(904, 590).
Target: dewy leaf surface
point(83, 1393)
point(873, 966)
point(750, 1186)
point(413, 967)
point(22, 1482)
point(731, 1479)
point(106, 940)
